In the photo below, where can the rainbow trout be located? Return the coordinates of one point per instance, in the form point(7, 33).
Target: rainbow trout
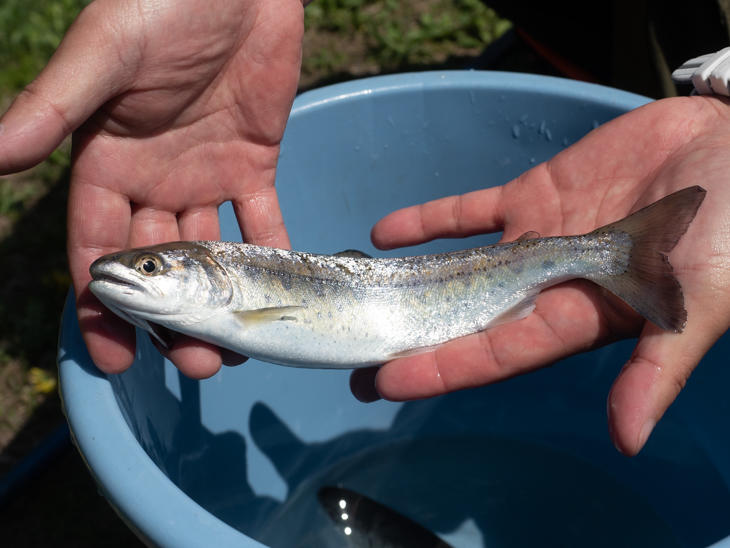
point(350, 310)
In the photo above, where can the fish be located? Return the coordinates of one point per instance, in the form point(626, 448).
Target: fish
point(367, 523)
point(351, 310)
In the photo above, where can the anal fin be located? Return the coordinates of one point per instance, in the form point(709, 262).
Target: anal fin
point(517, 312)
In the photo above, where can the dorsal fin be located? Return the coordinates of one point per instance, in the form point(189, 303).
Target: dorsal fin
point(353, 254)
point(529, 235)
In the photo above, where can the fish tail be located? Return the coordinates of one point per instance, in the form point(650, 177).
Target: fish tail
point(648, 284)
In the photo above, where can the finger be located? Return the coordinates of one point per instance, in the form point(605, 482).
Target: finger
point(203, 224)
point(260, 219)
point(195, 358)
point(150, 226)
point(451, 217)
point(362, 384)
point(98, 223)
point(566, 320)
point(84, 73)
point(199, 224)
point(651, 380)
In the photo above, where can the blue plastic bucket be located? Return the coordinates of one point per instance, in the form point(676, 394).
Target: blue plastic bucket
point(236, 460)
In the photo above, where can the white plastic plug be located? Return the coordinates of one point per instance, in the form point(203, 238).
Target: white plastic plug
point(709, 74)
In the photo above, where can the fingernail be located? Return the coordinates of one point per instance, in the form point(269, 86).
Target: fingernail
point(645, 433)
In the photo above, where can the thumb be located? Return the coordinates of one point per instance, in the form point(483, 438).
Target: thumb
point(85, 71)
point(651, 380)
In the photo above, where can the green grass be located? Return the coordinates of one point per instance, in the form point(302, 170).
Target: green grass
point(30, 31)
point(389, 35)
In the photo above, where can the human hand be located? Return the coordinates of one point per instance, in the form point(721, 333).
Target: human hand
point(618, 168)
point(176, 107)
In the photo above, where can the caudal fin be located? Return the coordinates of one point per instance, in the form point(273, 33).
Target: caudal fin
point(649, 285)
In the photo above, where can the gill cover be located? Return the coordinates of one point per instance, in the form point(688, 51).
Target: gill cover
point(185, 261)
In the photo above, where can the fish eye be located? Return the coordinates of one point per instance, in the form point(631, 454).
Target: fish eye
point(148, 265)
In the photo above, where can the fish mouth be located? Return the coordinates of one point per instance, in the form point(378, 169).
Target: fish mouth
point(106, 277)
point(110, 274)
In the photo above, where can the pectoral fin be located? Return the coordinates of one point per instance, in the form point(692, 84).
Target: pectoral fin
point(272, 314)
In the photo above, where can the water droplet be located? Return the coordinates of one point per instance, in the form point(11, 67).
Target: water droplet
point(532, 160)
point(516, 131)
point(595, 124)
point(548, 135)
point(543, 127)
point(565, 141)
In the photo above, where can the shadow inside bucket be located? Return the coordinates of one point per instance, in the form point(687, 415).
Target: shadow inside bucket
point(474, 467)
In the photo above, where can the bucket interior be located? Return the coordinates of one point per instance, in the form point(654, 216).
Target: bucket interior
point(523, 462)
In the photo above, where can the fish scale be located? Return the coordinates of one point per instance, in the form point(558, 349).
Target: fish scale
point(346, 311)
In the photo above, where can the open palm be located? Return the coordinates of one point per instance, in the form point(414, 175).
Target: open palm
point(176, 107)
point(618, 168)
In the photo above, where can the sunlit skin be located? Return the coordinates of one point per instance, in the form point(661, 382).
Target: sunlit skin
point(177, 107)
point(618, 168)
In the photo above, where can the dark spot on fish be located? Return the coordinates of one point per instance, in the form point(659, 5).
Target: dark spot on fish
point(547, 264)
point(286, 282)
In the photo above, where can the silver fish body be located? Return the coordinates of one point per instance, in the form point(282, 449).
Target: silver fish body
point(303, 309)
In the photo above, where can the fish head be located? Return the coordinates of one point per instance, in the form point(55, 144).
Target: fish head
point(171, 284)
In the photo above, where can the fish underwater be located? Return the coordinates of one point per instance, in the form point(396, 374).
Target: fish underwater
point(351, 310)
point(366, 523)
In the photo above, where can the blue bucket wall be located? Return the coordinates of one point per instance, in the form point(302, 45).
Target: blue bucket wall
point(235, 460)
